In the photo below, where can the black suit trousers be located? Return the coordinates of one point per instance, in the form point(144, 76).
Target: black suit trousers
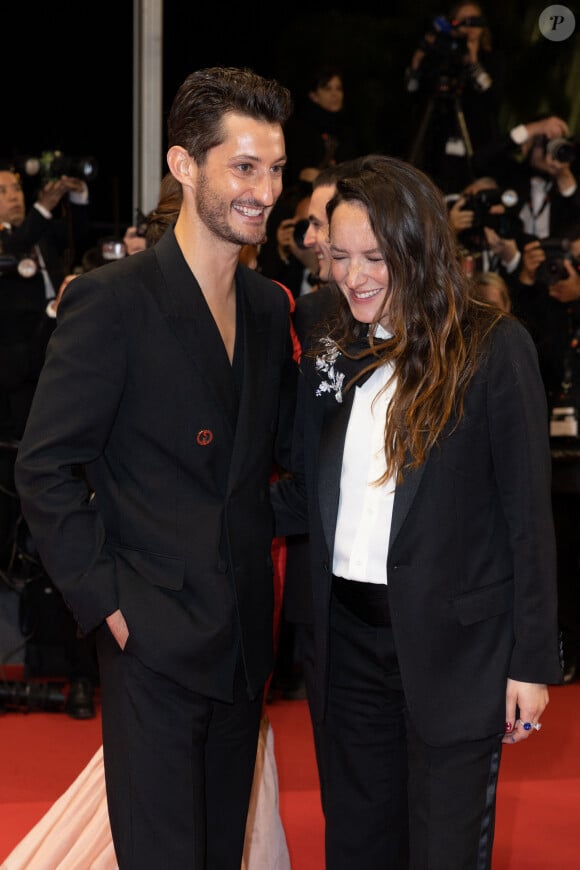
point(391, 801)
point(178, 766)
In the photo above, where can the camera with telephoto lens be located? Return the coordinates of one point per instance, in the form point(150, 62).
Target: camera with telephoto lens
point(552, 269)
point(506, 224)
point(562, 150)
point(300, 230)
point(50, 165)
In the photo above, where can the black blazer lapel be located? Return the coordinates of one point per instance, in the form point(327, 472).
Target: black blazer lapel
point(404, 495)
point(255, 324)
point(331, 449)
point(183, 305)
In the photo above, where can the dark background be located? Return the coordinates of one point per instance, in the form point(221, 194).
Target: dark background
point(67, 71)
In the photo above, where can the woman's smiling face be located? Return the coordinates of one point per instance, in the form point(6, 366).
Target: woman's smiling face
point(358, 266)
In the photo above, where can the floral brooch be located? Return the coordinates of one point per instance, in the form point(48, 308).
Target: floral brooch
point(331, 380)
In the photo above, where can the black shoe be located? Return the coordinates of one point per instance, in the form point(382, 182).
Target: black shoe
point(80, 702)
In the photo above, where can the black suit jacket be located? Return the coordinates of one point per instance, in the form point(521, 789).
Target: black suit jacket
point(313, 310)
point(471, 559)
point(138, 390)
point(310, 313)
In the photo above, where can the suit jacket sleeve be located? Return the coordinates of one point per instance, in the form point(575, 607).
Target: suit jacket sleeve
point(518, 420)
point(73, 409)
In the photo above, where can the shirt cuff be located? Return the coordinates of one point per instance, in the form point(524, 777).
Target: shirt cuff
point(513, 263)
point(79, 197)
point(519, 134)
point(43, 211)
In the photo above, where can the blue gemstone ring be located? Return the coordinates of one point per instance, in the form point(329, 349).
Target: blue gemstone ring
point(527, 726)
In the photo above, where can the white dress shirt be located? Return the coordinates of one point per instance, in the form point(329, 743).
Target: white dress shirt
point(365, 509)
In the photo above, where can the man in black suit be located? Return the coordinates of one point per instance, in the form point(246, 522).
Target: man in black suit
point(170, 380)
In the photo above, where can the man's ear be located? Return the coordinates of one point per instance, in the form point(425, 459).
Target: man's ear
point(181, 165)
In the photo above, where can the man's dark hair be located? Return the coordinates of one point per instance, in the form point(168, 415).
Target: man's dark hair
point(195, 117)
point(328, 176)
point(323, 75)
point(332, 174)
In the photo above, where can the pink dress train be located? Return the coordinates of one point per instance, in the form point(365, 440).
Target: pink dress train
point(74, 834)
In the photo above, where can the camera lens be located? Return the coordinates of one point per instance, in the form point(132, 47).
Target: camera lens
point(300, 230)
point(561, 150)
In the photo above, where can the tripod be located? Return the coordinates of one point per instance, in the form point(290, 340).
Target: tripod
point(446, 95)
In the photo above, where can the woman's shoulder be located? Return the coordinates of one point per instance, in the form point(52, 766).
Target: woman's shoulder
point(510, 341)
point(510, 328)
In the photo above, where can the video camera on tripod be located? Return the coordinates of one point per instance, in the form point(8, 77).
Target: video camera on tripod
point(441, 67)
point(444, 66)
point(445, 49)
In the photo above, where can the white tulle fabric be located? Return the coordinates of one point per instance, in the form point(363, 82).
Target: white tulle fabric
point(75, 835)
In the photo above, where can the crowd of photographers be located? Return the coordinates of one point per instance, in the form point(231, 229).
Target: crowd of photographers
point(513, 200)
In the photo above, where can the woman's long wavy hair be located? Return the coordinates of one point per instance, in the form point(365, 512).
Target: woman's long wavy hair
point(438, 328)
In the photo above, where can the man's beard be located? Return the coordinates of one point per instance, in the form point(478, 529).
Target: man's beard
point(214, 212)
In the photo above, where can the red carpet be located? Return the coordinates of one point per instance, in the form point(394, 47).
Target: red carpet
point(538, 800)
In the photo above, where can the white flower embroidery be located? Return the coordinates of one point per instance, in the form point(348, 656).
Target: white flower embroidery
point(325, 366)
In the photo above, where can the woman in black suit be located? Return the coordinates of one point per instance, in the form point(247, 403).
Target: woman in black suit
point(421, 458)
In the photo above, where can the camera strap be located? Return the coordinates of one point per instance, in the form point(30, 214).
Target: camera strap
point(49, 291)
point(536, 206)
point(539, 197)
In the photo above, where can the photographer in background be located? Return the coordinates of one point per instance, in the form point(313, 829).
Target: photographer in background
point(454, 79)
point(35, 254)
point(53, 232)
point(321, 132)
point(283, 256)
point(38, 248)
point(546, 297)
point(536, 159)
point(487, 226)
